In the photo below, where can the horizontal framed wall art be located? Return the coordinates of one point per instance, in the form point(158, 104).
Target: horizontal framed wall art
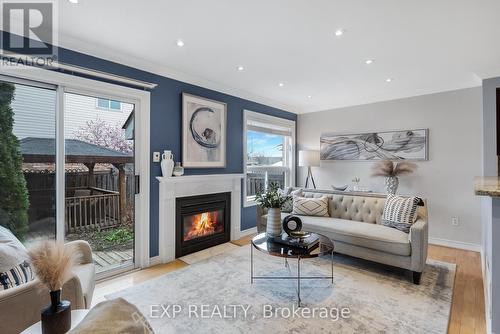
point(203, 132)
point(384, 145)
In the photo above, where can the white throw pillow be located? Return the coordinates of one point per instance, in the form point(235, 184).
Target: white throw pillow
point(12, 251)
point(400, 212)
point(14, 266)
point(308, 206)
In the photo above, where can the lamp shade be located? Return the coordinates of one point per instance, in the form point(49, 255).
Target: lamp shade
point(309, 158)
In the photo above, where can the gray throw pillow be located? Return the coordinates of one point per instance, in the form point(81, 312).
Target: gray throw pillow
point(400, 212)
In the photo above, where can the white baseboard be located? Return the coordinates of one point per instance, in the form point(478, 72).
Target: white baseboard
point(456, 244)
point(248, 231)
point(153, 261)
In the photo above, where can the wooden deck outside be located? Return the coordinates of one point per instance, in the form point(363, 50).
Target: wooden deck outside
point(105, 260)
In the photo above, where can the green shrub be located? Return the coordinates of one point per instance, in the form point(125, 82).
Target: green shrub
point(13, 192)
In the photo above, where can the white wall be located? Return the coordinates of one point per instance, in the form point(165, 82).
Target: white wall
point(446, 180)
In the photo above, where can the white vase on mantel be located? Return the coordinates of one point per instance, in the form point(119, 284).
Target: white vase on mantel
point(167, 163)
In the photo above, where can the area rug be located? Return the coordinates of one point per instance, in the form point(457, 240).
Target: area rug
point(208, 253)
point(216, 296)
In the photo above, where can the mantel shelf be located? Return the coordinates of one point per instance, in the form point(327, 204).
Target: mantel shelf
point(198, 178)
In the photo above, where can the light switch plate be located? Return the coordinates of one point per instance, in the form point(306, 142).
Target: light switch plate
point(156, 156)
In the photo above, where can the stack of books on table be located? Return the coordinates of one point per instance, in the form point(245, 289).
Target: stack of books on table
point(308, 243)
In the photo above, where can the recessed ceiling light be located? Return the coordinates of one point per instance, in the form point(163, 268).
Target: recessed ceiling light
point(369, 61)
point(388, 80)
point(309, 96)
point(240, 68)
point(179, 43)
point(281, 84)
point(339, 32)
point(73, 1)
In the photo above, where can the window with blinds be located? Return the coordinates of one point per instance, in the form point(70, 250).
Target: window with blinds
point(269, 153)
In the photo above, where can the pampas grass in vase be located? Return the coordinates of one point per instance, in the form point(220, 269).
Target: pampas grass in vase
point(391, 171)
point(53, 264)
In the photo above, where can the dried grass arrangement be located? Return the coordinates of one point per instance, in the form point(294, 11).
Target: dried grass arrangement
point(52, 263)
point(387, 168)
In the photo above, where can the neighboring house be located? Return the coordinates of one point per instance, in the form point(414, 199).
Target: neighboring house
point(128, 126)
point(29, 103)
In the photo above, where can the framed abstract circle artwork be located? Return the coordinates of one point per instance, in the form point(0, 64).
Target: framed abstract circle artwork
point(203, 132)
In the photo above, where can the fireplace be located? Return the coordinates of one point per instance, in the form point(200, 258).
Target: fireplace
point(202, 222)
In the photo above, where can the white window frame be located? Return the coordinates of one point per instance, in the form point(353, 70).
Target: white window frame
point(289, 158)
point(66, 83)
point(109, 104)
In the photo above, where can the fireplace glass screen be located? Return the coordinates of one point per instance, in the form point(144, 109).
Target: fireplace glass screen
point(203, 224)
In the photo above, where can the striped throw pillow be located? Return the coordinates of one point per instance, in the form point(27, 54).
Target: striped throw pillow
point(16, 276)
point(310, 206)
point(400, 212)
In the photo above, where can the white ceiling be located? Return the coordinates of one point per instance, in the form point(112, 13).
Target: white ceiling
point(426, 46)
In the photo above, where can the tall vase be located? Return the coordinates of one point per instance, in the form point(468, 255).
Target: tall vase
point(391, 184)
point(273, 228)
point(167, 163)
point(56, 318)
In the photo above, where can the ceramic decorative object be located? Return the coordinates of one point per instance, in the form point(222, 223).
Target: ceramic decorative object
point(355, 183)
point(392, 171)
point(273, 222)
point(292, 224)
point(56, 318)
point(178, 169)
point(167, 163)
point(391, 184)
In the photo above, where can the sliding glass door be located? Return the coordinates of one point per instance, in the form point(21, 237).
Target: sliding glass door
point(84, 192)
point(99, 177)
point(28, 160)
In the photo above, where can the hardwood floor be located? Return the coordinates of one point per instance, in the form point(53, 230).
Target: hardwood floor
point(467, 310)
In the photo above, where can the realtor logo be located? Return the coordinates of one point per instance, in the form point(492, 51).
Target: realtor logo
point(28, 27)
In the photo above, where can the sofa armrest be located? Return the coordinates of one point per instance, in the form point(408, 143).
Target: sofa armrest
point(82, 249)
point(73, 291)
point(419, 239)
point(261, 211)
point(21, 306)
point(261, 219)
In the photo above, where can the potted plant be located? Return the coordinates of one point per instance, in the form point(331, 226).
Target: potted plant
point(272, 199)
point(53, 264)
point(391, 171)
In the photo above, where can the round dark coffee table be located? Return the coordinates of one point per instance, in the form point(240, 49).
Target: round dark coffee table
point(265, 244)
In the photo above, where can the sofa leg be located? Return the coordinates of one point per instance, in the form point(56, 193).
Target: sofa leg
point(416, 277)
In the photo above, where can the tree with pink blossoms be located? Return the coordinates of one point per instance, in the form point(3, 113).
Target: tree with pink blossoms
point(103, 134)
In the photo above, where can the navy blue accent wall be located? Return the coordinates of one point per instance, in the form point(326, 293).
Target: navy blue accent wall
point(166, 104)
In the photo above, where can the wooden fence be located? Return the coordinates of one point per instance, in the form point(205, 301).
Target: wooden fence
point(42, 196)
point(99, 210)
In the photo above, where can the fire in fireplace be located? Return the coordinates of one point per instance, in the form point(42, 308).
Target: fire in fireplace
point(202, 222)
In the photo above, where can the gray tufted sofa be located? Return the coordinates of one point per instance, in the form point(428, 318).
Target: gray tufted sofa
point(354, 226)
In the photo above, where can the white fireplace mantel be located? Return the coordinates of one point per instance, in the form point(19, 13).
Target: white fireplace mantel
point(192, 185)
